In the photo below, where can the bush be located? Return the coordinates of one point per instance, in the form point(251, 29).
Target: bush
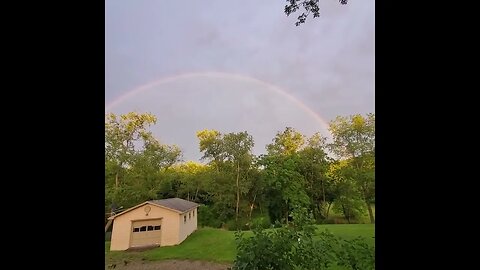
point(356, 254)
point(293, 248)
point(283, 249)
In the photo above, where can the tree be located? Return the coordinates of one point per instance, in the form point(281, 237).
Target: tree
point(121, 134)
point(211, 145)
point(347, 196)
point(146, 171)
point(310, 6)
point(193, 179)
point(354, 142)
point(286, 143)
point(231, 155)
point(281, 169)
point(257, 188)
point(135, 160)
point(314, 163)
point(238, 150)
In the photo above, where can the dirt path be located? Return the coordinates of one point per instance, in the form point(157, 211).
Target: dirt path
point(167, 265)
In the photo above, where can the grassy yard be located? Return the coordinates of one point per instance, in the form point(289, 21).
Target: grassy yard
point(350, 231)
point(205, 244)
point(218, 245)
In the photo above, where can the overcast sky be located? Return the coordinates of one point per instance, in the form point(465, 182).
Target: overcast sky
point(240, 65)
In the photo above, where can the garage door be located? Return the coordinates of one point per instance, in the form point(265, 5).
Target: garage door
point(146, 232)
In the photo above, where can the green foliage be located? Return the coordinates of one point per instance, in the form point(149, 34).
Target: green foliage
point(356, 254)
point(353, 136)
point(286, 143)
point(354, 145)
point(210, 144)
point(297, 247)
point(261, 222)
point(231, 155)
point(313, 166)
point(286, 186)
point(241, 224)
point(290, 248)
point(352, 208)
point(134, 159)
point(207, 218)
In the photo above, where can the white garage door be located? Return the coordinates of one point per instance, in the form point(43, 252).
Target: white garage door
point(146, 232)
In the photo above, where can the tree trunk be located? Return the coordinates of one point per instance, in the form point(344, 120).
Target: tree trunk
point(370, 212)
point(196, 193)
point(346, 213)
point(251, 208)
point(328, 210)
point(323, 191)
point(238, 190)
point(116, 180)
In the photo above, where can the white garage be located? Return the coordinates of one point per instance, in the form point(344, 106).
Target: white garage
point(159, 222)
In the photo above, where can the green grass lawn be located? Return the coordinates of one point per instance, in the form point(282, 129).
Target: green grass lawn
point(205, 244)
point(218, 245)
point(350, 231)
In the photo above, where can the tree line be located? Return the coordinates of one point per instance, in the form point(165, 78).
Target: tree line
point(233, 185)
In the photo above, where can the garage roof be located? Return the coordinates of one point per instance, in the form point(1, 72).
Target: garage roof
point(175, 204)
point(178, 204)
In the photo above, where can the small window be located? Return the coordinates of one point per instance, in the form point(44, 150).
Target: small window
point(150, 228)
point(136, 229)
point(189, 216)
point(156, 228)
point(185, 219)
point(143, 228)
